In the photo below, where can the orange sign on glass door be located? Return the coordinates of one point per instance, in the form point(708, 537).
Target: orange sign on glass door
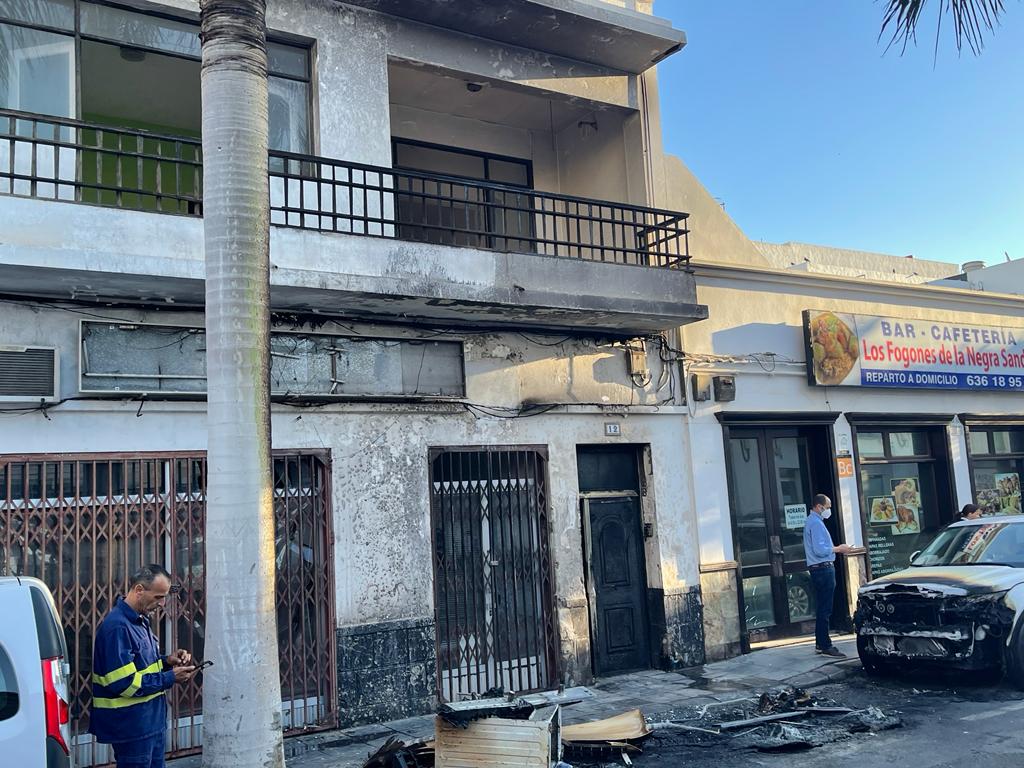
point(845, 466)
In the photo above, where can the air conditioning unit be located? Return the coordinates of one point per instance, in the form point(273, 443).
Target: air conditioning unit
point(29, 374)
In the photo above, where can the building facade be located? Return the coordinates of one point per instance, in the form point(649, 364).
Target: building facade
point(541, 411)
point(895, 393)
point(476, 290)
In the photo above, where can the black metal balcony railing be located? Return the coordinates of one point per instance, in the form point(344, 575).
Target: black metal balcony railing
point(62, 159)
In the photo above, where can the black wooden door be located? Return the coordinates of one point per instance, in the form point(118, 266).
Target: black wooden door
point(618, 584)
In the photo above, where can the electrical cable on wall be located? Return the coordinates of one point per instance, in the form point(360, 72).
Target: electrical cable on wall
point(291, 346)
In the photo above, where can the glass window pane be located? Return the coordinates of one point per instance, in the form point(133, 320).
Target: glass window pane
point(40, 71)
point(1017, 441)
point(505, 172)
point(869, 445)
point(757, 602)
point(48, 13)
point(978, 442)
point(900, 506)
point(288, 60)
point(908, 444)
point(433, 160)
point(8, 687)
point(289, 115)
point(139, 29)
point(747, 499)
point(792, 478)
point(133, 98)
point(1001, 442)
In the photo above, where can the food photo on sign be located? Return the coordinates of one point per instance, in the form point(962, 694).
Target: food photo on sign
point(883, 510)
point(834, 348)
point(906, 490)
point(908, 520)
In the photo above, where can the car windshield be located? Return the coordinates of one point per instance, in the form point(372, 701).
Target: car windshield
point(989, 544)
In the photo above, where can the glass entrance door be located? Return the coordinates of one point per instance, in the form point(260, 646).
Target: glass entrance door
point(772, 483)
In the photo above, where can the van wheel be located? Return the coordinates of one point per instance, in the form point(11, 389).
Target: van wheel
point(1015, 657)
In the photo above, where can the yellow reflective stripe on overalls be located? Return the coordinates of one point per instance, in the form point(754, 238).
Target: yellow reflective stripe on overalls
point(132, 689)
point(123, 702)
point(118, 674)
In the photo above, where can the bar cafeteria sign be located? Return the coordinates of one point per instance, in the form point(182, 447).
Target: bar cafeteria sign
point(867, 351)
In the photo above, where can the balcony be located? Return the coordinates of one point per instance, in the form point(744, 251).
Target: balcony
point(428, 246)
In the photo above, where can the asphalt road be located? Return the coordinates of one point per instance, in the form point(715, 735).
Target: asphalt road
point(947, 722)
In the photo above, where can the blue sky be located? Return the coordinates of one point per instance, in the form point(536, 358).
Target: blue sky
point(790, 114)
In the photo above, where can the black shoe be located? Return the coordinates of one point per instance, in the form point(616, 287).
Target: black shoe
point(832, 651)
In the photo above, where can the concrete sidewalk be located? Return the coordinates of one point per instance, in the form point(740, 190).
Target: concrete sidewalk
point(651, 691)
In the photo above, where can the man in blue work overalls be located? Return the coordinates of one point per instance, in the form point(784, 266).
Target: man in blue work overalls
point(130, 675)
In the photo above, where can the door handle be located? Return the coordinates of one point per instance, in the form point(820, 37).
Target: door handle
point(777, 549)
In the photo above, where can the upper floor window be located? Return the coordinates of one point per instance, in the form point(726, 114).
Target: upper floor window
point(119, 67)
point(449, 207)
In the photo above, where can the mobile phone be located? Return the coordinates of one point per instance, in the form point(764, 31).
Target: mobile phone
point(201, 665)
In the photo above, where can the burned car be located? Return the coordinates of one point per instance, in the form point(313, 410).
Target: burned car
point(958, 605)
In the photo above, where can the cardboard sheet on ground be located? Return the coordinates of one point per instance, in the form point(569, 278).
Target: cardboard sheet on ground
point(625, 727)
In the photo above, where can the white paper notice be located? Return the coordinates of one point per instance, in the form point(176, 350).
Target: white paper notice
point(795, 515)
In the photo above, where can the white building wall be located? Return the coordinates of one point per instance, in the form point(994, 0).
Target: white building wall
point(754, 311)
point(380, 489)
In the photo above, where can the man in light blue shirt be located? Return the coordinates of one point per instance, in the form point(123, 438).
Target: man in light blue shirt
point(820, 555)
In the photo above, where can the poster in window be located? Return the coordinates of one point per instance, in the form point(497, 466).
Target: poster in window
point(883, 510)
point(986, 495)
point(906, 490)
point(1007, 493)
point(908, 520)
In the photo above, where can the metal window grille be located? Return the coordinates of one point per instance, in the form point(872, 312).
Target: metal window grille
point(492, 571)
point(82, 522)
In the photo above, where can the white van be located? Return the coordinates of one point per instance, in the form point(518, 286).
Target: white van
point(35, 728)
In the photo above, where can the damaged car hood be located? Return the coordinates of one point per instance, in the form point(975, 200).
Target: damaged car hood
point(950, 579)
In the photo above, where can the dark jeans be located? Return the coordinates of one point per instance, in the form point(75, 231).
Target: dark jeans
point(824, 581)
point(144, 753)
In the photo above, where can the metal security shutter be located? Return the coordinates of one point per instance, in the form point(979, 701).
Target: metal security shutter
point(492, 571)
point(81, 522)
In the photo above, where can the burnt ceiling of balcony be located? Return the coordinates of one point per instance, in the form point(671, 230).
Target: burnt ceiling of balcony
point(555, 313)
point(492, 101)
point(593, 32)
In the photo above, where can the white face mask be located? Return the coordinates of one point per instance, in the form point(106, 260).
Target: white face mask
point(826, 514)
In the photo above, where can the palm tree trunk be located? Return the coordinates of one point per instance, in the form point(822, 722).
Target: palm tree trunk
point(242, 691)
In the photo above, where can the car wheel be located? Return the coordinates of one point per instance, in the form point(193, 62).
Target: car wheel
point(872, 666)
point(1015, 657)
point(799, 602)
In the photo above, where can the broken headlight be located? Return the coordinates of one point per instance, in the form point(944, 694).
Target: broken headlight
point(988, 613)
point(967, 603)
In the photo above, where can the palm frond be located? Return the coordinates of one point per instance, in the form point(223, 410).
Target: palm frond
point(972, 21)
